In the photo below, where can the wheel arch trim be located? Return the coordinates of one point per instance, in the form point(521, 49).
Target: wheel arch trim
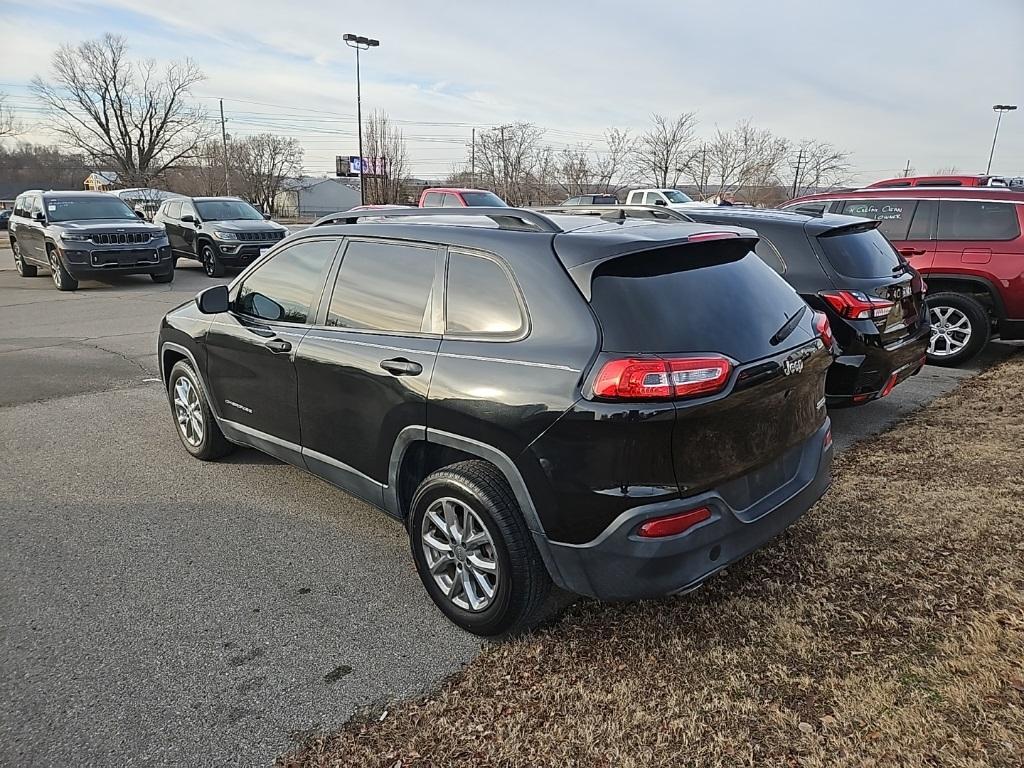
point(984, 283)
point(174, 347)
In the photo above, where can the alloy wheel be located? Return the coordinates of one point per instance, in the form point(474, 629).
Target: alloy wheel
point(55, 268)
point(951, 331)
point(208, 261)
point(17, 256)
point(460, 554)
point(188, 411)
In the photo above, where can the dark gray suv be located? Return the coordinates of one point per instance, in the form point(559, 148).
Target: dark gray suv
point(219, 232)
point(79, 235)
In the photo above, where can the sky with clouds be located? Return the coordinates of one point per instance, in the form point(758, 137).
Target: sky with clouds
point(887, 81)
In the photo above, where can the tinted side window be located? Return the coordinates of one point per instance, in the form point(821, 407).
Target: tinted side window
point(188, 209)
point(480, 298)
point(923, 226)
point(650, 197)
point(895, 215)
point(36, 205)
point(452, 201)
point(770, 255)
point(573, 201)
point(384, 287)
point(286, 287)
point(967, 220)
point(432, 200)
point(19, 206)
point(174, 210)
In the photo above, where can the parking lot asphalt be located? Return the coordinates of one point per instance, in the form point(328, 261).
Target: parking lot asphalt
point(157, 610)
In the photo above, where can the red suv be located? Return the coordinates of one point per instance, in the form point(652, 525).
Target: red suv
point(967, 243)
point(457, 197)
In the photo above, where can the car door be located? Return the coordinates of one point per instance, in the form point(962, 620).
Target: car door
point(187, 229)
point(31, 232)
point(250, 349)
point(169, 218)
point(364, 370)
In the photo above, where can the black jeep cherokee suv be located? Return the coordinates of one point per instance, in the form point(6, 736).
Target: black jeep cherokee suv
point(82, 235)
point(219, 232)
point(618, 408)
point(845, 267)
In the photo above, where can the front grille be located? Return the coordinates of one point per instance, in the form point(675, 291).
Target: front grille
point(263, 236)
point(121, 238)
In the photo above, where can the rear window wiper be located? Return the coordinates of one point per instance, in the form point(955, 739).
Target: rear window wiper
point(787, 328)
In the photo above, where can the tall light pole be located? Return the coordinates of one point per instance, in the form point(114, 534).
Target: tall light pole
point(360, 43)
point(999, 109)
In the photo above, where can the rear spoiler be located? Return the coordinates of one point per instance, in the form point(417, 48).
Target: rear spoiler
point(851, 229)
point(735, 245)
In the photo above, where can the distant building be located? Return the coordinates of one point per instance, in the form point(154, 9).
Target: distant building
point(101, 181)
point(312, 197)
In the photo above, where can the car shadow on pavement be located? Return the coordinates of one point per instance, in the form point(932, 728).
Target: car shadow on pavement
point(249, 456)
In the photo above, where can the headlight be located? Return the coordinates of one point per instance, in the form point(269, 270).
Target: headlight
point(224, 235)
point(74, 237)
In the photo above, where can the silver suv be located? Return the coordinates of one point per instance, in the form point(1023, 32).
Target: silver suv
point(82, 235)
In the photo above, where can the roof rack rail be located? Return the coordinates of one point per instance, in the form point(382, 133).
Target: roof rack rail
point(618, 212)
point(518, 219)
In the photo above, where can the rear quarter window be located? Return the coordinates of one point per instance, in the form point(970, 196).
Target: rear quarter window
point(970, 220)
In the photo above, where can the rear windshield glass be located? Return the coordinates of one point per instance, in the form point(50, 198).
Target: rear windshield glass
point(861, 254)
point(691, 298)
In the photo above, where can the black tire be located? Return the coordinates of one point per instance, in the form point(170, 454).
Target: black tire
point(164, 277)
point(523, 592)
point(25, 270)
point(212, 445)
point(212, 264)
point(967, 311)
point(62, 279)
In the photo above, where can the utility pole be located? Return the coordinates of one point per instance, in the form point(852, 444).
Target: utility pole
point(796, 174)
point(999, 109)
point(906, 171)
point(472, 160)
point(504, 167)
point(224, 145)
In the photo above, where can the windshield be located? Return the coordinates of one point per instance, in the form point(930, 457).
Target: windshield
point(675, 196)
point(483, 200)
point(861, 254)
point(85, 208)
point(226, 210)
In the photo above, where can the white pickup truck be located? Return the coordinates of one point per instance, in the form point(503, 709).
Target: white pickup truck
point(670, 198)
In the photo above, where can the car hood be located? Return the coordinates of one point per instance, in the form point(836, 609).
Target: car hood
point(246, 225)
point(106, 225)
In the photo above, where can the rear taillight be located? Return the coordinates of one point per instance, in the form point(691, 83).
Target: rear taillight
point(670, 525)
point(856, 305)
point(821, 325)
point(661, 378)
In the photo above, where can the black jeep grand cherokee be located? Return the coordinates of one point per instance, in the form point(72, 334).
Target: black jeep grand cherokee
point(220, 232)
point(619, 408)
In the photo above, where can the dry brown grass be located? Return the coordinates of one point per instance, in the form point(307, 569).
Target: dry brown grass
point(885, 629)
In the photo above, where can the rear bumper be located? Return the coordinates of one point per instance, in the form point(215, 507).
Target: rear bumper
point(621, 565)
point(864, 371)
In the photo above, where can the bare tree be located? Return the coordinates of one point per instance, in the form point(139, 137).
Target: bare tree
point(9, 125)
point(818, 165)
point(33, 165)
point(384, 146)
point(744, 158)
point(665, 149)
point(949, 170)
point(513, 161)
point(203, 174)
point(581, 170)
point(128, 116)
point(262, 162)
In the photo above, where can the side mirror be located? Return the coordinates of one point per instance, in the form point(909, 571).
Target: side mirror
point(213, 301)
point(188, 218)
point(266, 216)
point(660, 202)
point(140, 214)
point(38, 216)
